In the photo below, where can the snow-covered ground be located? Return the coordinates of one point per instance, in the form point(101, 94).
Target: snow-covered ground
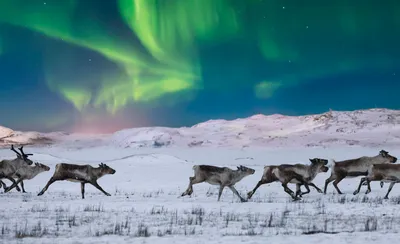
point(153, 166)
point(146, 207)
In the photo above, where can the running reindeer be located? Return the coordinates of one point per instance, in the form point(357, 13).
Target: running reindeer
point(9, 167)
point(26, 172)
point(298, 174)
point(356, 167)
point(222, 176)
point(383, 173)
point(79, 173)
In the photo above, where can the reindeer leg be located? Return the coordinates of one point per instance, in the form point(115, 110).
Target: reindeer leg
point(221, 188)
point(51, 181)
point(362, 182)
point(95, 184)
point(316, 187)
point(375, 178)
point(83, 190)
point(192, 181)
point(368, 185)
point(22, 186)
point(389, 190)
point(261, 182)
point(327, 181)
point(298, 185)
point(2, 184)
point(336, 182)
point(233, 189)
point(298, 190)
point(308, 189)
point(288, 191)
point(14, 184)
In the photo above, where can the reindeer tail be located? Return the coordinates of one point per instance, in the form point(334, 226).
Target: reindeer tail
point(332, 163)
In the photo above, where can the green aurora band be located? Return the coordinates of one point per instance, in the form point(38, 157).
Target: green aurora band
point(159, 61)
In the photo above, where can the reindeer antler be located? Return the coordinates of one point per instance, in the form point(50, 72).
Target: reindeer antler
point(13, 149)
point(21, 149)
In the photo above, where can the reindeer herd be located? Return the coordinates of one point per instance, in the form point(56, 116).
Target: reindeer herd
point(377, 168)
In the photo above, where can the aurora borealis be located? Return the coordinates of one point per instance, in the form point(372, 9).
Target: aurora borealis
point(73, 64)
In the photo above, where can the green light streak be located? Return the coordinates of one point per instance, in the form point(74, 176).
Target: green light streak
point(57, 22)
point(164, 60)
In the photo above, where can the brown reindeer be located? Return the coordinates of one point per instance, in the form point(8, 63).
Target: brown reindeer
point(356, 167)
point(27, 172)
point(221, 176)
point(9, 167)
point(298, 174)
point(79, 173)
point(383, 173)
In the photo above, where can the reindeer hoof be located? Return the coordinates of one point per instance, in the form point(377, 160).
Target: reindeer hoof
point(355, 192)
point(319, 191)
point(40, 193)
point(386, 198)
point(249, 194)
point(243, 200)
point(368, 191)
point(108, 194)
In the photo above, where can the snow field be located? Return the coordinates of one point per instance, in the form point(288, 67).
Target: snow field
point(146, 207)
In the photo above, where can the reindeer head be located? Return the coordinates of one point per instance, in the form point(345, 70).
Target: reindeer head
point(320, 163)
point(385, 154)
point(245, 170)
point(105, 169)
point(22, 155)
point(42, 166)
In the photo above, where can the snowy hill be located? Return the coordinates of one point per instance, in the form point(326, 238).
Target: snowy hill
point(9, 136)
point(373, 127)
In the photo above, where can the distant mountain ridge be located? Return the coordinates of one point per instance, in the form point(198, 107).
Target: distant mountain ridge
point(371, 127)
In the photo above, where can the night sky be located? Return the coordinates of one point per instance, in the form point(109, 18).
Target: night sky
point(99, 66)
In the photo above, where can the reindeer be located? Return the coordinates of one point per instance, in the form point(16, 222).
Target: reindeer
point(9, 167)
point(383, 173)
point(27, 172)
point(298, 174)
point(356, 167)
point(79, 173)
point(221, 176)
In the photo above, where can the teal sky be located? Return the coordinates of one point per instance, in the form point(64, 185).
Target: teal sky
point(99, 66)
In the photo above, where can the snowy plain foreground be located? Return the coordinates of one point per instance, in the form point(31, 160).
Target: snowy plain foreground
point(153, 166)
point(146, 207)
